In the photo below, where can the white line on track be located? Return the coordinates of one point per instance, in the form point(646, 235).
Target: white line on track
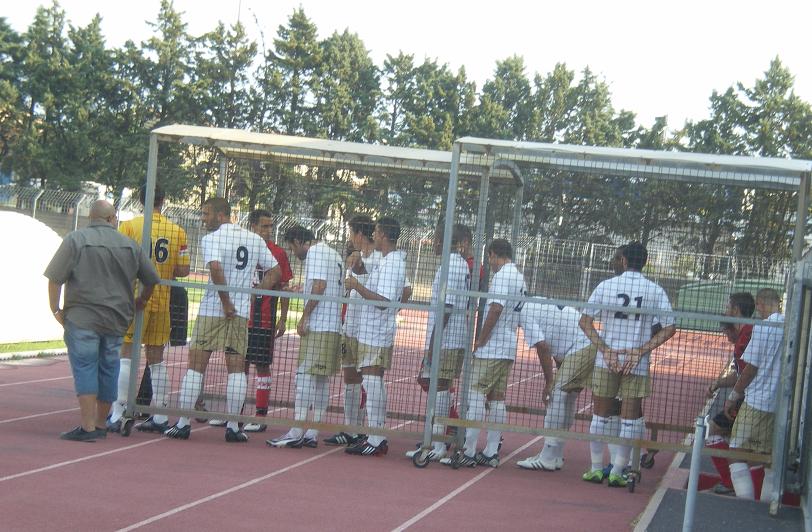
point(233, 489)
point(32, 416)
point(459, 490)
point(35, 381)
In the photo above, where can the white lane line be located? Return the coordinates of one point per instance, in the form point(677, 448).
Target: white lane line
point(525, 379)
point(459, 490)
point(32, 416)
point(36, 381)
point(233, 489)
point(88, 457)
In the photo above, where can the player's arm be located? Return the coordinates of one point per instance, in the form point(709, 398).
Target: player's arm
point(270, 278)
point(284, 303)
point(737, 393)
point(218, 277)
point(54, 293)
point(546, 360)
point(406, 294)
point(494, 311)
point(182, 267)
point(318, 288)
point(610, 356)
point(351, 283)
point(636, 354)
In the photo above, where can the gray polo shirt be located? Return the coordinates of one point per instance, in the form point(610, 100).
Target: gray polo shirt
point(98, 266)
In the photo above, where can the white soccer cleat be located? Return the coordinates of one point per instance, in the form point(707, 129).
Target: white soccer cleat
point(433, 455)
point(217, 423)
point(538, 463)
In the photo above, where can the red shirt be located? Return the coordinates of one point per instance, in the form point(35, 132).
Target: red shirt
point(264, 315)
point(741, 344)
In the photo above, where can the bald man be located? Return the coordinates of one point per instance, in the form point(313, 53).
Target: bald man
point(97, 265)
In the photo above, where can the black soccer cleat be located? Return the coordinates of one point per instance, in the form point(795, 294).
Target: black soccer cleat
point(236, 436)
point(178, 433)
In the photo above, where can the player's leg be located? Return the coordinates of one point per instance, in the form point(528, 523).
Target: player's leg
point(260, 353)
point(353, 390)
point(752, 431)
point(326, 363)
point(605, 386)
point(236, 386)
point(373, 362)
point(719, 438)
point(482, 381)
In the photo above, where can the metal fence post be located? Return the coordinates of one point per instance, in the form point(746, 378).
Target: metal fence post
point(34, 204)
point(693, 478)
point(76, 212)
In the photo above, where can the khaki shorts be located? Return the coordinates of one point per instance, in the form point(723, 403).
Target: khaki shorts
point(450, 364)
point(753, 430)
point(156, 328)
point(318, 353)
point(369, 356)
point(349, 352)
point(490, 375)
point(220, 334)
point(575, 373)
point(609, 384)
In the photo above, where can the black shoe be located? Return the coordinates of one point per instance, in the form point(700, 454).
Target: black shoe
point(234, 436)
point(367, 449)
point(178, 433)
point(310, 442)
point(151, 426)
point(287, 441)
point(114, 426)
point(101, 432)
point(343, 438)
point(80, 434)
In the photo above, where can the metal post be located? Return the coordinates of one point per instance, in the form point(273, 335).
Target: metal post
point(279, 226)
point(800, 217)
point(439, 307)
point(517, 217)
point(585, 284)
point(76, 212)
point(536, 264)
point(34, 204)
point(146, 248)
point(693, 478)
point(221, 182)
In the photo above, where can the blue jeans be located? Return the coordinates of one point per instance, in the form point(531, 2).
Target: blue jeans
point(94, 360)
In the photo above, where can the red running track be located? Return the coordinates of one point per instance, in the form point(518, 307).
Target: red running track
point(146, 482)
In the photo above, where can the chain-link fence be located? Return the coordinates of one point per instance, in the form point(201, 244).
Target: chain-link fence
point(60, 210)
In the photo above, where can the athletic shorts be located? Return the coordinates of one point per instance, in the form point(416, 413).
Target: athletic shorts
point(575, 373)
point(318, 353)
point(260, 345)
point(349, 352)
point(609, 384)
point(178, 315)
point(753, 430)
point(155, 331)
point(490, 375)
point(450, 364)
point(213, 333)
point(369, 356)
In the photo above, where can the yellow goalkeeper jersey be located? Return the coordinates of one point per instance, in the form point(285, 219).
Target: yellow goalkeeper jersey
point(168, 248)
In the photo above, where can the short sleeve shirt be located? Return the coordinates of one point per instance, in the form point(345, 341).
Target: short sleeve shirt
point(459, 278)
point(503, 340)
point(323, 263)
point(263, 308)
point(764, 352)
point(378, 324)
point(558, 326)
point(622, 330)
point(352, 320)
point(240, 252)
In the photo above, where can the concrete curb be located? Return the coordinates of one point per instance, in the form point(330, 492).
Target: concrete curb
point(33, 354)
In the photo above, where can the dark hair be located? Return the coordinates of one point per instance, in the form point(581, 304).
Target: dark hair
point(501, 248)
point(297, 232)
point(465, 234)
point(363, 224)
point(457, 233)
point(159, 195)
point(219, 205)
point(744, 302)
point(768, 295)
point(253, 218)
point(390, 228)
point(636, 255)
point(727, 326)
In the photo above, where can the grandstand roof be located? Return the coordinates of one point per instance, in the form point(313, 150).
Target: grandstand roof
point(756, 172)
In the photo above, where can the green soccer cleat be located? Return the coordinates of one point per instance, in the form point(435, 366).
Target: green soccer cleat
point(616, 481)
point(594, 476)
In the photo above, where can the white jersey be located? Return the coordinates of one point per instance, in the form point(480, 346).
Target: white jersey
point(558, 326)
point(240, 253)
point(764, 352)
point(459, 278)
point(508, 281)
point(623, 331)
point(378, 325)
point(352, 319)
point(323, 263)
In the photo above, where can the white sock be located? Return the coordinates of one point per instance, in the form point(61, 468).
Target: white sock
point(496, 414)
point(742, 480)
point(556, 417)
point(442, 406)
point(630, 429)
point(613, 429)
point(320, 402)
point(190, 388)
point(767, 485)
point(376, 405)
point(305, 392)
point(352, 404)
point(120, 404)
point(599, 427)
point(236, 386)
point(476, 412)
point(160, 389)
point(550, 451)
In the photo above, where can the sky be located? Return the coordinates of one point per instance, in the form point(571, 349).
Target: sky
point(659, 58)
